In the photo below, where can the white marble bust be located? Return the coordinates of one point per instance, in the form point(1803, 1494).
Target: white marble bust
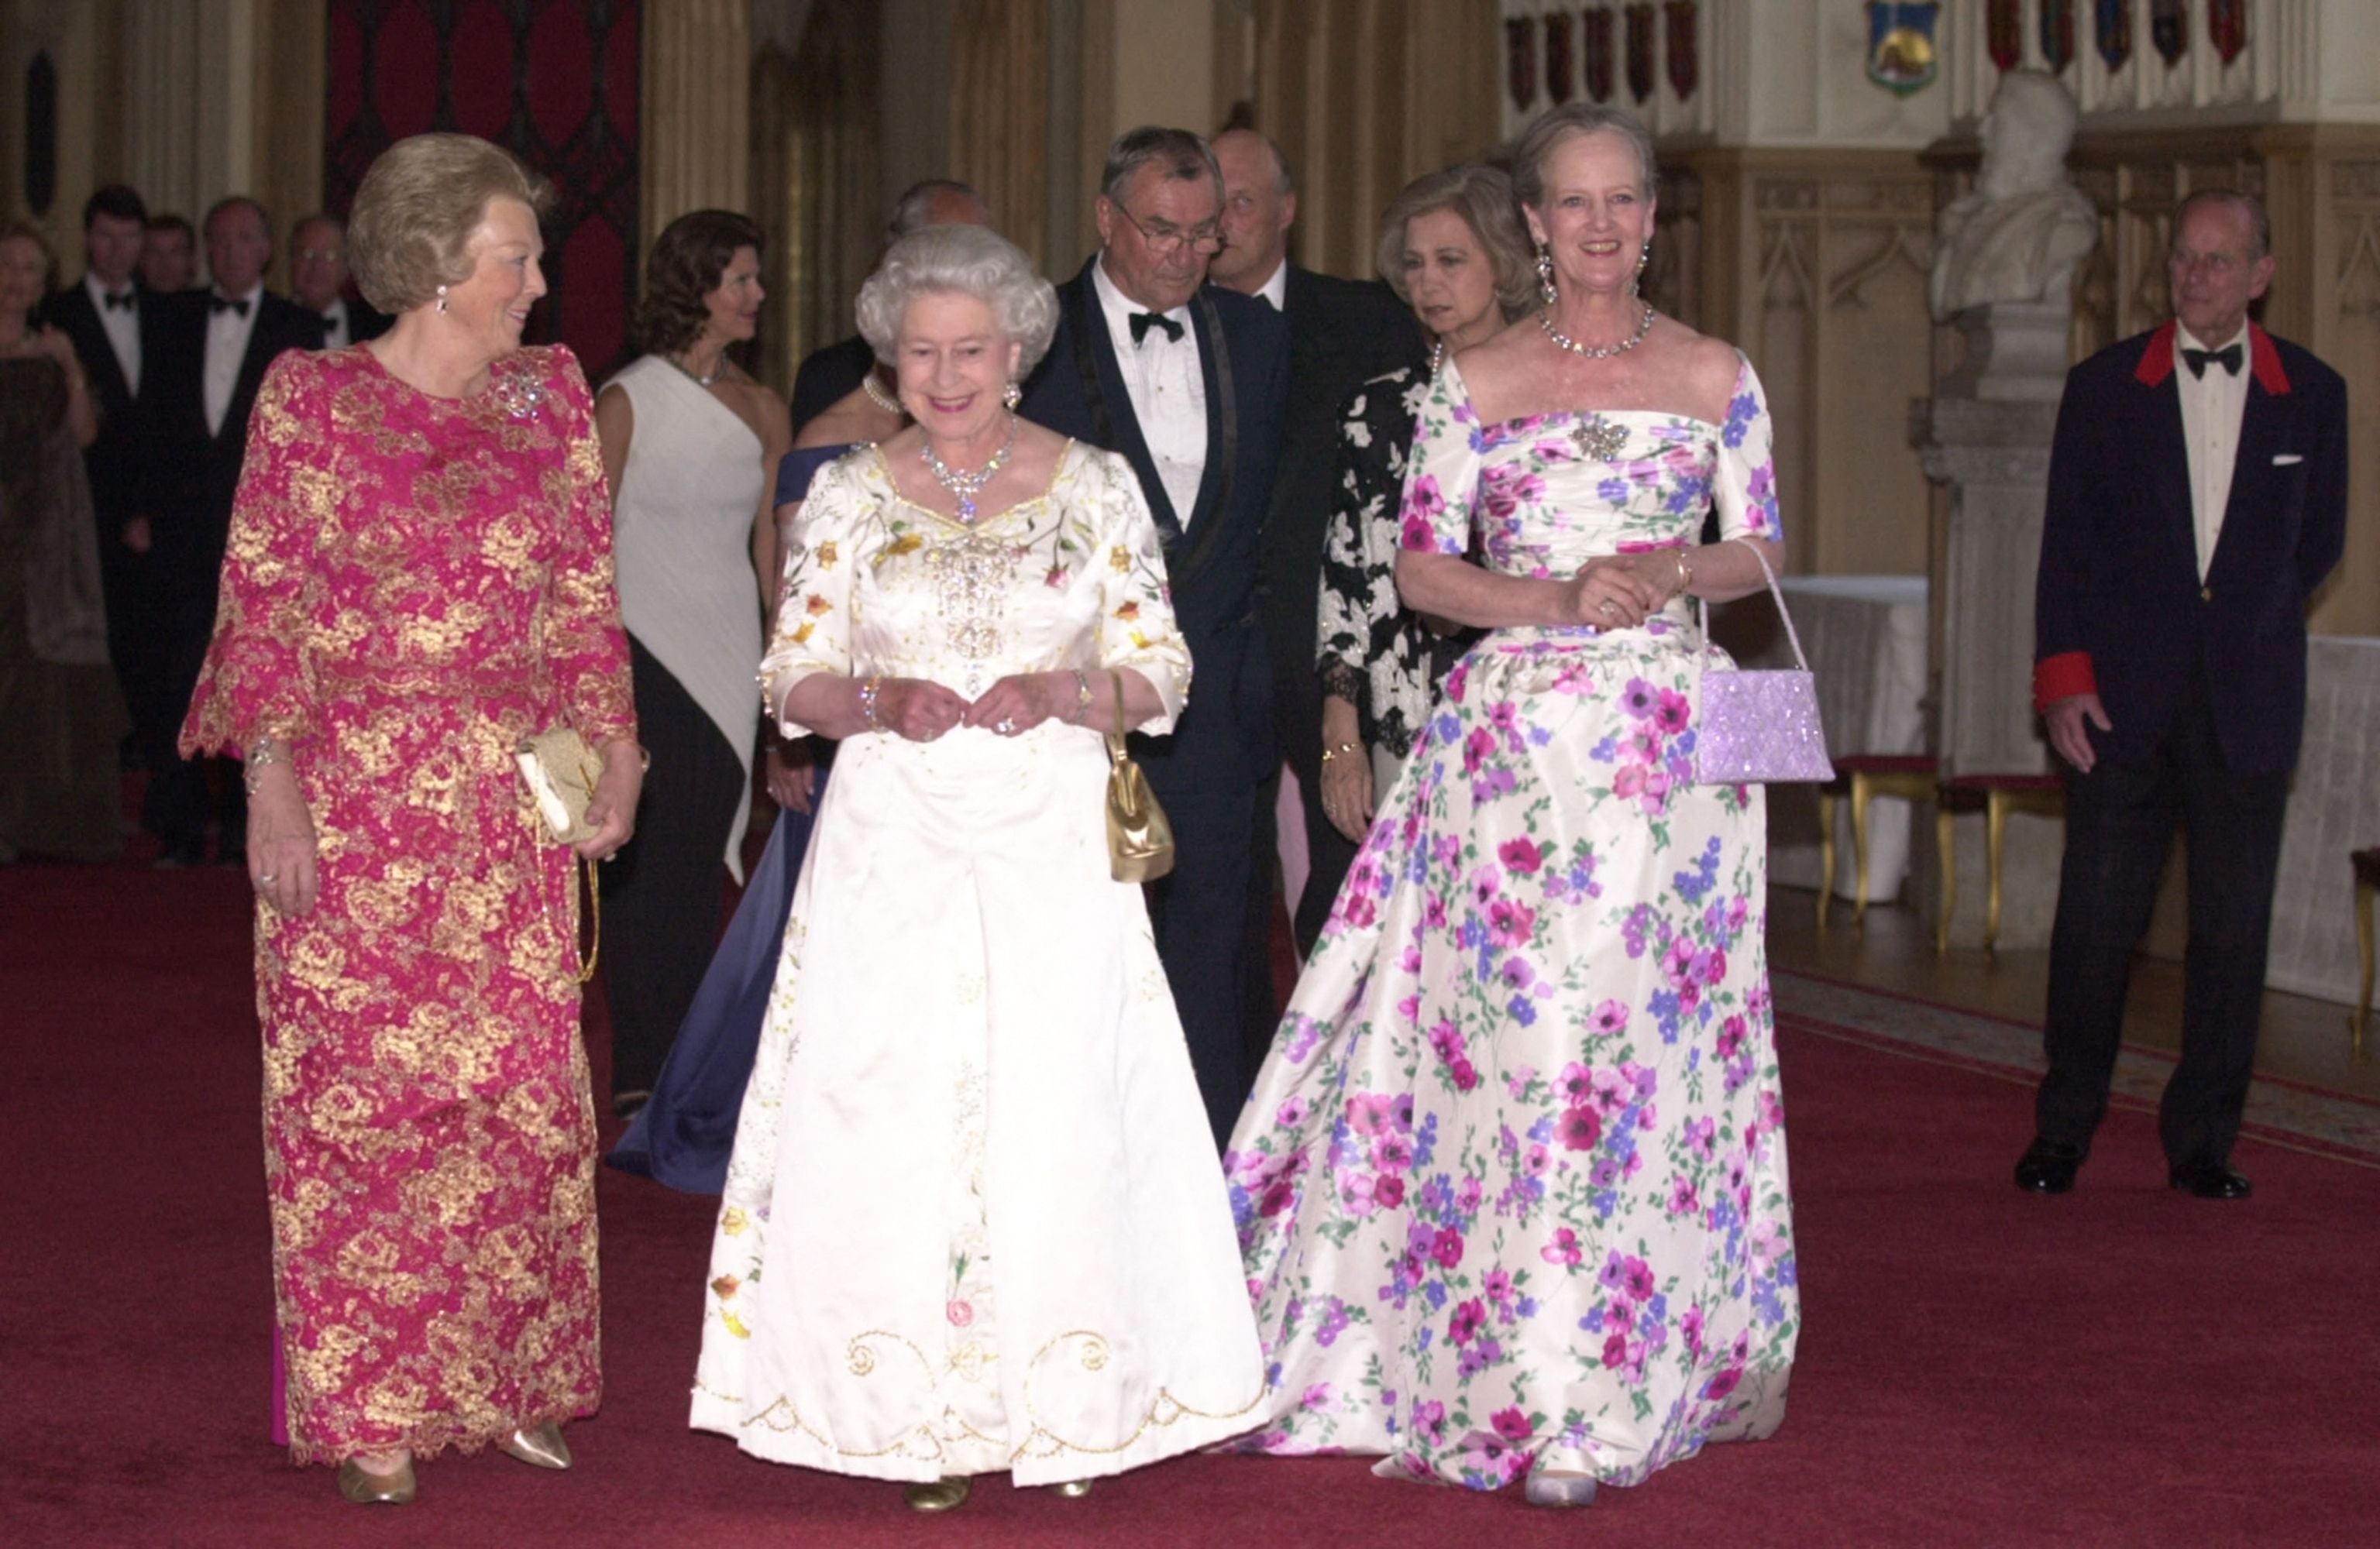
point(2019, 234)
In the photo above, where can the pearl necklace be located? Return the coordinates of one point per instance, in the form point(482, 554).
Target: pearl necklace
point(967, 486)
point(1597, 352)
point(881, 398)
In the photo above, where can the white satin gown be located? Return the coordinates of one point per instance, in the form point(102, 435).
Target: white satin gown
point(974, 1220)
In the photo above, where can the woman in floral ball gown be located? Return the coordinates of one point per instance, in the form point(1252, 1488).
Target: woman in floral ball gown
point(1511, 1186)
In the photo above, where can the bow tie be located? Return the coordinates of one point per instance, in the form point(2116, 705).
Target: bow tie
point(225, 304)
point(2227, 357)
point(123, 298)
point(1143, 321)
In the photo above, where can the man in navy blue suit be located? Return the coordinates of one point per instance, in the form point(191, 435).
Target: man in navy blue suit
point(2197, 498)
point(1185, 379)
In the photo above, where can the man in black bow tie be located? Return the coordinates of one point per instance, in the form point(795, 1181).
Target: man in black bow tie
point(1185, 380)
point(317, 281)
point(221, 340)
point(117, 330)
point(2197, 498)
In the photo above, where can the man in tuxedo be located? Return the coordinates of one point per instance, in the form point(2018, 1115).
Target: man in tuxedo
point(118, 330)
point(317, 281)
point(828, 375)
point(169, 255)
point(221, 342)
point(1342, 334)
point(1185, 380)
point(2197, 498)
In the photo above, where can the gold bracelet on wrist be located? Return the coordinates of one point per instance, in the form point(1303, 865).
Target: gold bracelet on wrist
point(1343, 750)
point(1685, 572)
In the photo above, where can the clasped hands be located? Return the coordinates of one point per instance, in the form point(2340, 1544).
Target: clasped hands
point(1621, 592)
point(921, 709)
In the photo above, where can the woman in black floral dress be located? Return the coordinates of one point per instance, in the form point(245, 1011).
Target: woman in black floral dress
point(1453, 247)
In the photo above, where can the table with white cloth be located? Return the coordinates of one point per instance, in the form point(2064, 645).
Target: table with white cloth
point(1866, 641)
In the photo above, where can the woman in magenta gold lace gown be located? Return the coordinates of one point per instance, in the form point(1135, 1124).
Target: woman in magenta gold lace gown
point(420, 576)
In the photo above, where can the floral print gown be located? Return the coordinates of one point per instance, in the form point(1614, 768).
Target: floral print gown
point(972, 1221)
point(1511, 1187)
point(414, 583)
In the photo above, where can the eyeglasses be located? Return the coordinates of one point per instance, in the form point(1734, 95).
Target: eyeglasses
point(1164, 237)
point(330, 255)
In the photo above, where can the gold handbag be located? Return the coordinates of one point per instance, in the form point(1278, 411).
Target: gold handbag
point(561, 770)
point(1140, 842)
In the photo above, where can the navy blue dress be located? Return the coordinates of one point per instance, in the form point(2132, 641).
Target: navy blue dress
point(688, 1127)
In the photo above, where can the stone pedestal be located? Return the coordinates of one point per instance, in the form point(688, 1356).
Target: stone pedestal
point(1987, 434)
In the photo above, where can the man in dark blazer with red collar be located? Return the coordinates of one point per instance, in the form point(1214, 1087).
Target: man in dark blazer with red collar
point(224, 337)
point(2197, 498)
point(1184, 379)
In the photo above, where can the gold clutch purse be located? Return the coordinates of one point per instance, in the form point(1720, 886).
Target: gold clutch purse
point(1140, 842)
point(560, 771)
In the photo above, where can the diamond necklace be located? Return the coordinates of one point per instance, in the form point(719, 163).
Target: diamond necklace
point(1597, 352)
point(967, 486)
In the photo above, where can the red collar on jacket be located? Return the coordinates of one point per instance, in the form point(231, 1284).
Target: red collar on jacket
point(2157, 361)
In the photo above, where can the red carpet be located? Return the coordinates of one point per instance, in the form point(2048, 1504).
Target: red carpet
point(2123, 1366)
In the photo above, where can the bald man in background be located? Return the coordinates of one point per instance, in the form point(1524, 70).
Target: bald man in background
point(1342, 334)
point(830, 375)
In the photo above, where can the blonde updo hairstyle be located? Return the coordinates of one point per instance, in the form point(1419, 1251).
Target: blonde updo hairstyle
point(412, 221)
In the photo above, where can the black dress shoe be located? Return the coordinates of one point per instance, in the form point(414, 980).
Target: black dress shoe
point(2210, 1180)
point(2048, 1167)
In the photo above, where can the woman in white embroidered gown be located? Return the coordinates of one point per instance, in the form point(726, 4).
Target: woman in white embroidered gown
point(973, 1221)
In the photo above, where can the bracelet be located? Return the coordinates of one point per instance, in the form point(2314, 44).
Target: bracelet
point(261, 755)
point(868, 702)
point(1685, 572)
point(1344, 750)
point(1082, 697)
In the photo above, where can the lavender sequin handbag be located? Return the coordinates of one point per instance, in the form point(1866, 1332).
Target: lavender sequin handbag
point(1759, 726)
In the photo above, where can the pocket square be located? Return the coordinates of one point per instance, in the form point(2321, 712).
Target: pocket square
point(2283, 459)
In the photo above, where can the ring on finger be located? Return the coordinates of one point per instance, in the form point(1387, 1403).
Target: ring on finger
point(266, 879)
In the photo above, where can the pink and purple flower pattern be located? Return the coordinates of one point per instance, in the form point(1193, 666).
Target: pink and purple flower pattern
point(1511, 1187)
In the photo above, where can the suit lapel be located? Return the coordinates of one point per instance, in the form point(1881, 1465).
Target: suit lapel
point(2168, 446)
point(264, 342)
point(2263, 427)
point(90, 334)
point(1215, 478)
point(1113, 424)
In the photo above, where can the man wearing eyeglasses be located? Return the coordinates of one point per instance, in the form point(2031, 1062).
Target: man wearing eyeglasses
point(317, 281)
point(1185, 381)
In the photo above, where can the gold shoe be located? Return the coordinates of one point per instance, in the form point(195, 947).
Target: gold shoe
point(362, 1487)
point(540, 1447)
point(942, 1494)
point(1074, 1489)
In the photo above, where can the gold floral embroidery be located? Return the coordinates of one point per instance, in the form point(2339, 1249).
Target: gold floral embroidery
point(1092, 1354)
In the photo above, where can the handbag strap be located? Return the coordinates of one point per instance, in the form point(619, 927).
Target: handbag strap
point(1116, 753)
point(1793, 635)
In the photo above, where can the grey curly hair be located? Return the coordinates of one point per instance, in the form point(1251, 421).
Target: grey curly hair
point(968, 260)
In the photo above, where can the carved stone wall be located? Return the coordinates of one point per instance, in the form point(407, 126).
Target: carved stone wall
point(1813, 262)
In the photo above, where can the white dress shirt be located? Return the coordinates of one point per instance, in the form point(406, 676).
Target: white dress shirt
point(1276, 290)
point(335, 324)
point(228, 335)
point(1168, 390)
point(123, 325)
point(2212, 405)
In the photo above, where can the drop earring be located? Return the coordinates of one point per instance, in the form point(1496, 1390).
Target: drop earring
point(1643, 256)
point(442, 300)
point(1012, 395)
point(1545, 276)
